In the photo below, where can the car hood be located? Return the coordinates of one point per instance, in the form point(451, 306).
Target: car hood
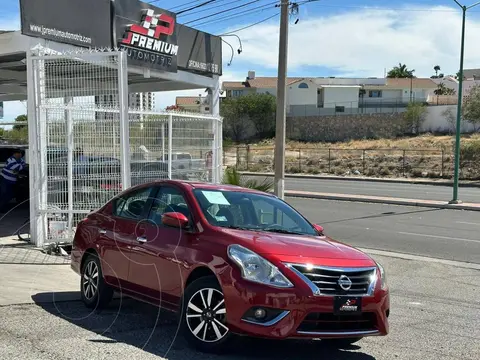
point(297, 246)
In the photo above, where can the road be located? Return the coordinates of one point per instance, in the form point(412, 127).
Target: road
point(445, 234)
point(434, 315)
point(407, 191)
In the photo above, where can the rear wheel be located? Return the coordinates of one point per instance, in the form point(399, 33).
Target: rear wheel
point(94, 291)
point(204, 316)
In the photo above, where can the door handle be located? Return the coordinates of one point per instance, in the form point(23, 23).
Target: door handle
point(141, 239)
point(103, 232)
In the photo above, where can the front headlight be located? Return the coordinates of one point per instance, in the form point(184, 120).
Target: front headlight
point(257, 269)
point(383, 276)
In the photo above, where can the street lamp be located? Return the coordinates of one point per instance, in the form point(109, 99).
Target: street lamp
point(455, 199)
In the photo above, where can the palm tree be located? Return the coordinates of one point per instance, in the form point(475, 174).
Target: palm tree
point(436, 68)
point(400, 71)
point(233, 177)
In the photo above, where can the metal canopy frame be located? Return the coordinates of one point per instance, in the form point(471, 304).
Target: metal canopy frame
point(13, 70)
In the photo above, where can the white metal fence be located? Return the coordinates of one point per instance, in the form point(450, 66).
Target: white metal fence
point(86, 145)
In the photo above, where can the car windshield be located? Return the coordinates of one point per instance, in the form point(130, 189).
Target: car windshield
point(249, 211)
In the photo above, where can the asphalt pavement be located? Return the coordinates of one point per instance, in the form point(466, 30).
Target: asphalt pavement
point(444, 234)
point(434, 315)
point(406, 191)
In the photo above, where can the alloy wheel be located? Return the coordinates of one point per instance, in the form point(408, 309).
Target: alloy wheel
point(206, 315)
point(90, 280)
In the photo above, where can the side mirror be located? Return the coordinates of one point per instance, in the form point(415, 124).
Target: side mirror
point(319, 229)
point(175, 219)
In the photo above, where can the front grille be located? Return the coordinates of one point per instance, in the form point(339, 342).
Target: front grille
point(326, 280)
point(326, 322)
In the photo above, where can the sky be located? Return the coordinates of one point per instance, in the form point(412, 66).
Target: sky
point(343, 38)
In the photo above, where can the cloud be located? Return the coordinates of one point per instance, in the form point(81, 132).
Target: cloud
point(364, 42)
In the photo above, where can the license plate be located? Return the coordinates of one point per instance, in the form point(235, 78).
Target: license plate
point(344, 305)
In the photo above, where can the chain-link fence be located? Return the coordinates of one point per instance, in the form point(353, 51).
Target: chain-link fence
point(430, 163)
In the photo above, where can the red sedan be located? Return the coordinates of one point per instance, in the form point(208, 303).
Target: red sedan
point(231, 261)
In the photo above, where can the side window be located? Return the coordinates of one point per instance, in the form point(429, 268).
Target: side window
point(131, 206)
point(168, 199)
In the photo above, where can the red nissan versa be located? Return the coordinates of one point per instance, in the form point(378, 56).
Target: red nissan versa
point(230, 261)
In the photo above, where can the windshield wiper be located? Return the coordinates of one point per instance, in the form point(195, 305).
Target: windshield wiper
point(284, 231)
point(237, 227)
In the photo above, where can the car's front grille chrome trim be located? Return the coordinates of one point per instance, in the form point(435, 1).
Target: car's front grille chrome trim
point(341, 333)
point(324, 280)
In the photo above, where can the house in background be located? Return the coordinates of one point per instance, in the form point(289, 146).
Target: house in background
point(309, 96)
point(199, 104)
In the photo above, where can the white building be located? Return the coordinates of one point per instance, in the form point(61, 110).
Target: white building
point(328, 96)
point(142, 101)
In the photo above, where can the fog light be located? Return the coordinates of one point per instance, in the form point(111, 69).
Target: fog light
point(260, 314)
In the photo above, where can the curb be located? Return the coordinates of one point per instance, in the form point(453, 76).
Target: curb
point(383, 200)
point(368, 179)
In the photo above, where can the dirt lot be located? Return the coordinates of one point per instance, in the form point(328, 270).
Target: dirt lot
point(423, 156)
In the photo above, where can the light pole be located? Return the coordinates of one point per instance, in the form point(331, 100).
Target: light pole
point(456, 171)
point(279, 156)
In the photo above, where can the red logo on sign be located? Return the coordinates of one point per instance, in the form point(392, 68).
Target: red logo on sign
point(152, 26)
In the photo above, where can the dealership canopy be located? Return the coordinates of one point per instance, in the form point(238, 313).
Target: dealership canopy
point(162, 54)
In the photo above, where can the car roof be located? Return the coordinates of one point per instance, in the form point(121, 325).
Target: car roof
point(207, 186)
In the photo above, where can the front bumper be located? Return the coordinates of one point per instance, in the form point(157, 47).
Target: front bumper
point(300, 313)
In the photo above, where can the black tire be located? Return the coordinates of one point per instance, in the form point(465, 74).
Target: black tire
point(216, 322)
point(96, 294)
point(341, 343)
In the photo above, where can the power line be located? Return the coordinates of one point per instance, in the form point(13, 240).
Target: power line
point(181, 5)
point(195, 7)
point(228, 17)
point(223, 11)
point(379, 8)
point(214, 6)
point(251, 25)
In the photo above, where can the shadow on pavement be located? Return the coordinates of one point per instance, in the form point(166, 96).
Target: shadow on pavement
point(155, 331)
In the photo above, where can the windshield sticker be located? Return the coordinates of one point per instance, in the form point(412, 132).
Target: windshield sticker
point(220, 218)
point(215, 197)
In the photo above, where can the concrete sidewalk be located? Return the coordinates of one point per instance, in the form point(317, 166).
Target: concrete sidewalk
point(420, 181)
point(383, 200)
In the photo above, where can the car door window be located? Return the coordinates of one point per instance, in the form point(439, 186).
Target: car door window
point(168, 199)
point(132, 205)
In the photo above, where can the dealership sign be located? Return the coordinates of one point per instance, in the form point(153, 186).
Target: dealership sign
point(147, 33)
point(150, 36)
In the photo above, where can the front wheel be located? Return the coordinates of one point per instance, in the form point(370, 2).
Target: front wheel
point(204, 316)
point(94, 290)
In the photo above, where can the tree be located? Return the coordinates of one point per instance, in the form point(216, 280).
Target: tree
point(414, 117)
point(235, 123)
point(20, 119)
point(443, 90)
point(244, 112)
point(233, 177)
point(174, 108)
point(436, 68)
point(260, 109)
point(450, 116)
point(400, 71)
point(471, 107)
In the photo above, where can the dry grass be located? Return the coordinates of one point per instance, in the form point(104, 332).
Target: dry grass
point(422, 156)
point(426, 141)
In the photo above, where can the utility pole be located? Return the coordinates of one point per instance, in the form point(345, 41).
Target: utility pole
point(279, 159)
point(456, 172)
